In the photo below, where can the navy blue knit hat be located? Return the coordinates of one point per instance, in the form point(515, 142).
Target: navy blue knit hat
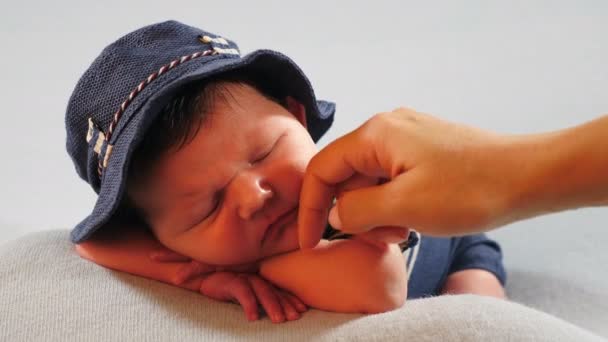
point(121, 93)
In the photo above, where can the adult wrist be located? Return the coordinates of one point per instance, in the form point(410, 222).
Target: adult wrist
point(532, 167)
point(558, 170)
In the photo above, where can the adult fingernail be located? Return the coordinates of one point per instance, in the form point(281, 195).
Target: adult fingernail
point(334, 218)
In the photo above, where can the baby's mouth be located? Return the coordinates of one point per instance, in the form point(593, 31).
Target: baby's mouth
point(275, 229)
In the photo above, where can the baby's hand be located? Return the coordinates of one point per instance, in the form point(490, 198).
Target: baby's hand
point(238, 284)
point(189, 270)
point(194, 268)
point(251, 291)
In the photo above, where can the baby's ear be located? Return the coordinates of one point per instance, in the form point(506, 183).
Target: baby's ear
point(297, 109)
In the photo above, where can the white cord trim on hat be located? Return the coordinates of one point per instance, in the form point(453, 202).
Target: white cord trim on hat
point(90, 131)
point(217, 40)
point(226, 51)
point(164, 69)
point(107, 156)
point(100, 137)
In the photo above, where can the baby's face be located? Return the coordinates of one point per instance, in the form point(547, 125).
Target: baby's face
point(230, 196)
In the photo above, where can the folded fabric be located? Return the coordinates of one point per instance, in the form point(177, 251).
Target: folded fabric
point(48, 293)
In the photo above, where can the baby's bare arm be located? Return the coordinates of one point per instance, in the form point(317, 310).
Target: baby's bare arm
point(342, 275)
point(474, 281)
point(130, 252)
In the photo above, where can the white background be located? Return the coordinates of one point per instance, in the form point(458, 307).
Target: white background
point(509, 66)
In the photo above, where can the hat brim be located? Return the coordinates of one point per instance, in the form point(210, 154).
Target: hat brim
point(276, 68)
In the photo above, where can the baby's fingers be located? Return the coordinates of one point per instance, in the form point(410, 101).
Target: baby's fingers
point(243, 294)
point(296, 302)
point(191, 270)
point(288, 308)
point(268, 298)
point(226, 286)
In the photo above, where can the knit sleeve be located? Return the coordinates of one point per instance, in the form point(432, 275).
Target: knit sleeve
point(478, 252)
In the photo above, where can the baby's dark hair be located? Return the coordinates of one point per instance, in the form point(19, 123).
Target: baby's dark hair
point(181, 118)
point(178, 123)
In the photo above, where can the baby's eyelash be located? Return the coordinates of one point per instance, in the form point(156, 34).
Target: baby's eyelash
point(216, 203)
point(276, 142)
point(259, 159)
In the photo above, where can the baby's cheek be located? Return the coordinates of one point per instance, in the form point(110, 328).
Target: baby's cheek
point(289, 181)
point(228, 248)
point(287, 243)
point(291, 237)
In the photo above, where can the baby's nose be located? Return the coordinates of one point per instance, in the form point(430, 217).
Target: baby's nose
point(253, 196)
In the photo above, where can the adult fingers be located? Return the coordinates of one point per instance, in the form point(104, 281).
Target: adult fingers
point(381, 236)
point(356, 181)
point(338, 162)
point(362, 209)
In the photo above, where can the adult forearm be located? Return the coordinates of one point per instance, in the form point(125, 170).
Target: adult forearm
point(560, 170)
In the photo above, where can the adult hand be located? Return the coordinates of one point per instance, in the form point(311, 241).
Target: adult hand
point(406, 169)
